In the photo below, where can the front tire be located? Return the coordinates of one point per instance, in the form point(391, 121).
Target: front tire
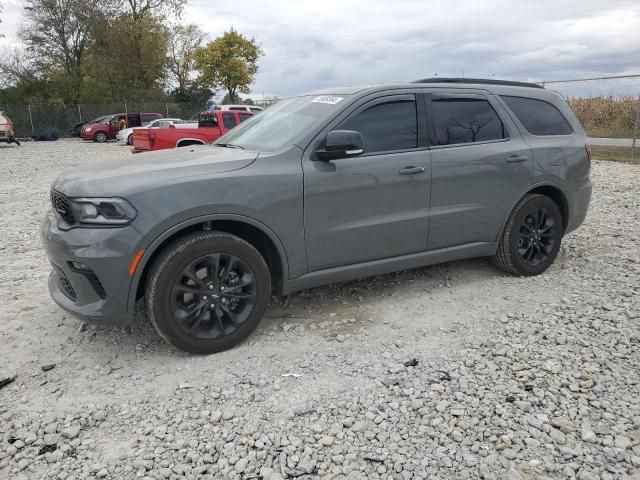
point(207, 292)
point(100, 137)
point(531, 237)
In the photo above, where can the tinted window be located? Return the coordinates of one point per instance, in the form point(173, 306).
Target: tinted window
point(147, 117)
point(243, 116)
point(237, 108)
point(463, 120)
point(386, 126)
point(229, 120)
point(538, 117)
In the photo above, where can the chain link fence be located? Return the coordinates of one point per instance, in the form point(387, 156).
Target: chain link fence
point(28, 120)
point(607, 107)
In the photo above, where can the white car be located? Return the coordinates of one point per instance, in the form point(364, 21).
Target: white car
point(126, 134)
point(242, 108)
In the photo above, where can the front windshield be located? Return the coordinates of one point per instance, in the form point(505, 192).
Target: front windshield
point(102, 119)
point(283, 123)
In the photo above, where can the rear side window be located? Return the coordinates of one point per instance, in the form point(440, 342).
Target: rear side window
point(243, 116)
point(147, 117)
point(228, 120)
point(386, 126)
point(455, 120)
point(538, 117)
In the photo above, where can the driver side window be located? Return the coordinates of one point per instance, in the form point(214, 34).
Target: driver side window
point(386, 126)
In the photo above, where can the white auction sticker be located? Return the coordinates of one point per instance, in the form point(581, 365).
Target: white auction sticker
point(331, 100)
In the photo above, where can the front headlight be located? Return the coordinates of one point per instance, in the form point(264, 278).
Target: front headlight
point(87, 129)
point(103, 211)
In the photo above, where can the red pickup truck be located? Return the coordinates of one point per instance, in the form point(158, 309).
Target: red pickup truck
point(211, 125)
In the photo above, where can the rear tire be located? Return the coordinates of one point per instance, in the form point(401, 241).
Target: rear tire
point(100, 137)
point(130, 139)
point(207, 292)
point(531, 237)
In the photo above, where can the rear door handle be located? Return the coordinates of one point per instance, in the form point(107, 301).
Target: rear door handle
point(517, 158)
point(409, 170)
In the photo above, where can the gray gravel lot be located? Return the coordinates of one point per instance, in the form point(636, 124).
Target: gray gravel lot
point(453, 371)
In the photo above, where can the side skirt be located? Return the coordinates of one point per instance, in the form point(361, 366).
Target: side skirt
point(387, 265)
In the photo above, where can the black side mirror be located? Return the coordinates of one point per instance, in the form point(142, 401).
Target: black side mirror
point(341, 144)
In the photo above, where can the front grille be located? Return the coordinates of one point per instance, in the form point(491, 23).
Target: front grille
point(62, 206)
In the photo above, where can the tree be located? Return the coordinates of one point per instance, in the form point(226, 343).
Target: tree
point(56, 33)
point(183, 42)
point(229, 62)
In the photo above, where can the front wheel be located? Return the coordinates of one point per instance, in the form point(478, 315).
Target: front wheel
point(531, 237)
point(100, 137)
point(207, 292)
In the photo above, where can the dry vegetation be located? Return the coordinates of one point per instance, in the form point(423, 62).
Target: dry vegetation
point(606, 116)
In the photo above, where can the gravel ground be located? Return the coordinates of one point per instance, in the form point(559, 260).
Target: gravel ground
point(452, 371)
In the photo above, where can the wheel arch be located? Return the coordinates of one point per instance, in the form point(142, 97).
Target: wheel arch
point(247, 228)
point(185, 142)
point(550, 190)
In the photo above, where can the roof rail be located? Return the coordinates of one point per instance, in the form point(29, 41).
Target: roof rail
point(487, 81)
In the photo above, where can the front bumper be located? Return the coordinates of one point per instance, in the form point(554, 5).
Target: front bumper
point(99, 292)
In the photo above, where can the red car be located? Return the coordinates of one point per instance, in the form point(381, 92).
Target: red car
point(107, 127)
point(211, 125)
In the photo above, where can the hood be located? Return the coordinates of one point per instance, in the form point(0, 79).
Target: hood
point(122, 176)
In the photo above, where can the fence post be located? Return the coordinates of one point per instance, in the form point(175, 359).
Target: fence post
point(635, 130)
point(33, 132)
point(126, 112)
point(79, 113)
point(167, 107)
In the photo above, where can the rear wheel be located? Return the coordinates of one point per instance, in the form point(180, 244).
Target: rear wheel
point(207, 292)
point(130, 139)
point(531, 238)
point(100, 137)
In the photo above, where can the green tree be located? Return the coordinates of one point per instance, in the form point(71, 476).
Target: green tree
point(229, 62)
point(56, 34)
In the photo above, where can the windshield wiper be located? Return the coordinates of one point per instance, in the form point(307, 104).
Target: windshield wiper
point(229, 145)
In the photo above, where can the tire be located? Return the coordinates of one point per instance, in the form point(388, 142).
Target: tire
point(100, 137)
point(215, 330)
point(130, 139)
point(529, 243)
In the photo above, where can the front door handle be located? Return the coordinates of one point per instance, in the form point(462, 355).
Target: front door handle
point(409, 170)
point(517, 158)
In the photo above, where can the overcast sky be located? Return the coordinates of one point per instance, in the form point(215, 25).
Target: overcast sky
point(309, 44)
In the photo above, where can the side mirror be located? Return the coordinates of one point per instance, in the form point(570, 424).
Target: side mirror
point(341, 144)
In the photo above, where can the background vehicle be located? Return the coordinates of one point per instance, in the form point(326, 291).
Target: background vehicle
point(126, 135)
point(240, 108)
point(211, 125)
point(6, 129)
point(76, 128)
point(108, 126)
point(322, 188)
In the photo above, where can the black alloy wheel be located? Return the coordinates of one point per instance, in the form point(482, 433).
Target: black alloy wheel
point(531, 237)
point(207, 291)
point(213, 295)
point(536, 236)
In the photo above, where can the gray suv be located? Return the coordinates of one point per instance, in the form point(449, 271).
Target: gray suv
point(326, 187)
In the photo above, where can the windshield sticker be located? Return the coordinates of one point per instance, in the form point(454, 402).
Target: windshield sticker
point(328, 99)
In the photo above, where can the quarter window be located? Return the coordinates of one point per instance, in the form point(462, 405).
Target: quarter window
point(228, 120)
point(537, 116)
point(455, 120)
point(386, 126)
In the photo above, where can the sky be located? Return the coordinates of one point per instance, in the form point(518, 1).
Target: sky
point(309, 44)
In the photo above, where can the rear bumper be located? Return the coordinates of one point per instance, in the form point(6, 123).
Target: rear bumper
point(579, 206)
point(98, 292)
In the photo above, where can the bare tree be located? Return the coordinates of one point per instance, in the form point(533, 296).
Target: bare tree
point(184, 40)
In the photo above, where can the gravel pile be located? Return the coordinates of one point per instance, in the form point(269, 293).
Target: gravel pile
point(453, 371)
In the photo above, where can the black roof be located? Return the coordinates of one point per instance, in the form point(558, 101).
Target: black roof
point(489, 81)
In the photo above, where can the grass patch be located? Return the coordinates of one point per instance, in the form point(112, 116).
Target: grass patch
point(616, 154)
